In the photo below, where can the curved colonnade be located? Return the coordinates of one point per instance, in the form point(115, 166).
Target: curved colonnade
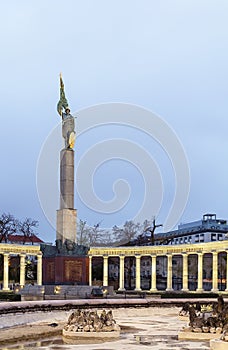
point(22, 251)
point(214, 249)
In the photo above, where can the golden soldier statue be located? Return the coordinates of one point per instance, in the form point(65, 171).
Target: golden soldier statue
point(68, 125)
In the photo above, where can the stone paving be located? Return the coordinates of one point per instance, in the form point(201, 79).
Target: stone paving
point(153, 328)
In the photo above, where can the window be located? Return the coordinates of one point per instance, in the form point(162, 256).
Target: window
point(213, 237)
point(201, 237)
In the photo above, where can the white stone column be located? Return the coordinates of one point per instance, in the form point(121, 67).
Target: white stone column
point(6, 272)
point(169, 272)
point(22, 270)
point(153, 274)
point(226, 290)
point(121, 273)
point(39, 270)
point(137, 273)
point(215, 272)
point(185, 273)
point(90, 270)
point(200, 273)
point(105, 270)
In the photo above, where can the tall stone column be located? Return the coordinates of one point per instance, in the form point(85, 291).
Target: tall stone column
point(66, 215)
point(105, 270)
point(153, 274)
point(39, 270)
point(22, 270)
point(185, 273)
point(200, 273)
point(215, 272)
point(169, 272)
point(90, 270)
point(138, 273)
point(121, 274)
point(6, 272)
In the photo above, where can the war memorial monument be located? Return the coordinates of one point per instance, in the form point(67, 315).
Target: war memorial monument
point(66, 262)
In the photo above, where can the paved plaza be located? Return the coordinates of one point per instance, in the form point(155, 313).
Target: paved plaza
point(142, 328)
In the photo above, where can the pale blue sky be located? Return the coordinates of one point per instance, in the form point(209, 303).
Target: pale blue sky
point(168, 56)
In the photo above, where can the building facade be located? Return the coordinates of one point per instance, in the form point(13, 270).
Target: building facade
point(208, 229)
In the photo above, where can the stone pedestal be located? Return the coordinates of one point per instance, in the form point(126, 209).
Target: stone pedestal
point(66, 224)
point(66, 270)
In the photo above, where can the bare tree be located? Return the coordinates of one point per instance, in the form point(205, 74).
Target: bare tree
point(127, 232)
point(152, 229)
point(8, 226)
point(82, 232)
point(119, 235)
point(90, 235)
point(95, 235)
point(107, 238)
point(27, 227)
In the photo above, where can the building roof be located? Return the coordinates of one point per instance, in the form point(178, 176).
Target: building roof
point(21, 238)
point(209, 223)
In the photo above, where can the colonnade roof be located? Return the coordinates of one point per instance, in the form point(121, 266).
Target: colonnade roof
point(209, 247)
point(19, 249)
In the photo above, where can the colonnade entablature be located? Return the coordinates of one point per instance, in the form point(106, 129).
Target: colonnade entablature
point(160, 250)
point(154, 252)
point(22, 251)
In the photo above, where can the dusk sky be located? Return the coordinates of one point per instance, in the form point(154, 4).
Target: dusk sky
point(169, 57)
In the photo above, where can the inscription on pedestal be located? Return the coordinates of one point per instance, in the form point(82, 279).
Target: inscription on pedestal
point(51, 271)
point(73, 271)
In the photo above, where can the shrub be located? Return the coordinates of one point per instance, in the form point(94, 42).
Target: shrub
point(176, 295)
point(7, 296)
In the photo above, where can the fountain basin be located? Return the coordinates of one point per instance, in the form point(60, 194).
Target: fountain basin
point(91, 335)
point(183, 335)
point(217, 344)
